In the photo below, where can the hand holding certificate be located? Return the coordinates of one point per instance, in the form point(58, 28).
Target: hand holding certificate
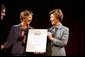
point(37, 40)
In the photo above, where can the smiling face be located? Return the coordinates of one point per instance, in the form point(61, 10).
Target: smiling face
point(26, 17)
point(56, 16)
point(54, 20)
point(27, 20)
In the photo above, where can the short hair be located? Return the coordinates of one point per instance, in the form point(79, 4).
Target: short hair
point(25, 13)
point(2, 7)
point(58, 14)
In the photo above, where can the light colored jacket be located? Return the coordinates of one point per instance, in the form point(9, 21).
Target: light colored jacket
point(61, 39)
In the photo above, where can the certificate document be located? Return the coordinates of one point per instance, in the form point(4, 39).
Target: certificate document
point(37, 40)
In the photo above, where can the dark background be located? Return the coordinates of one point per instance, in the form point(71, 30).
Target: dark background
point(73, 18)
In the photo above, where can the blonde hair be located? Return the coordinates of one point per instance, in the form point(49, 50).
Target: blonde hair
point(24, 14)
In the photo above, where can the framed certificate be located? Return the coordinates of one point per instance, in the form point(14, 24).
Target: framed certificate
point(37, 40)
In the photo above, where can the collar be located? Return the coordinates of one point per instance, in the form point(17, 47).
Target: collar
point(59, 25)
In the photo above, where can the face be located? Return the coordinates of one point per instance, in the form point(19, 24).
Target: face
point(3, 13)
point(54, 21)
point(27, 20)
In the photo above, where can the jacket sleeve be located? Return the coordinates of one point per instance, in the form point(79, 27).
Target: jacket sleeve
point(63, 41)
point(10, 38)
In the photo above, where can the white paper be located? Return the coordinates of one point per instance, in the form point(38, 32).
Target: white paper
point(37, 40)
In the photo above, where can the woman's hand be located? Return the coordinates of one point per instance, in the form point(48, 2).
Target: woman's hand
point(49, 34)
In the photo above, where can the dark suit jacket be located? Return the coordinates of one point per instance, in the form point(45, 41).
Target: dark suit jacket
point(12, 40)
